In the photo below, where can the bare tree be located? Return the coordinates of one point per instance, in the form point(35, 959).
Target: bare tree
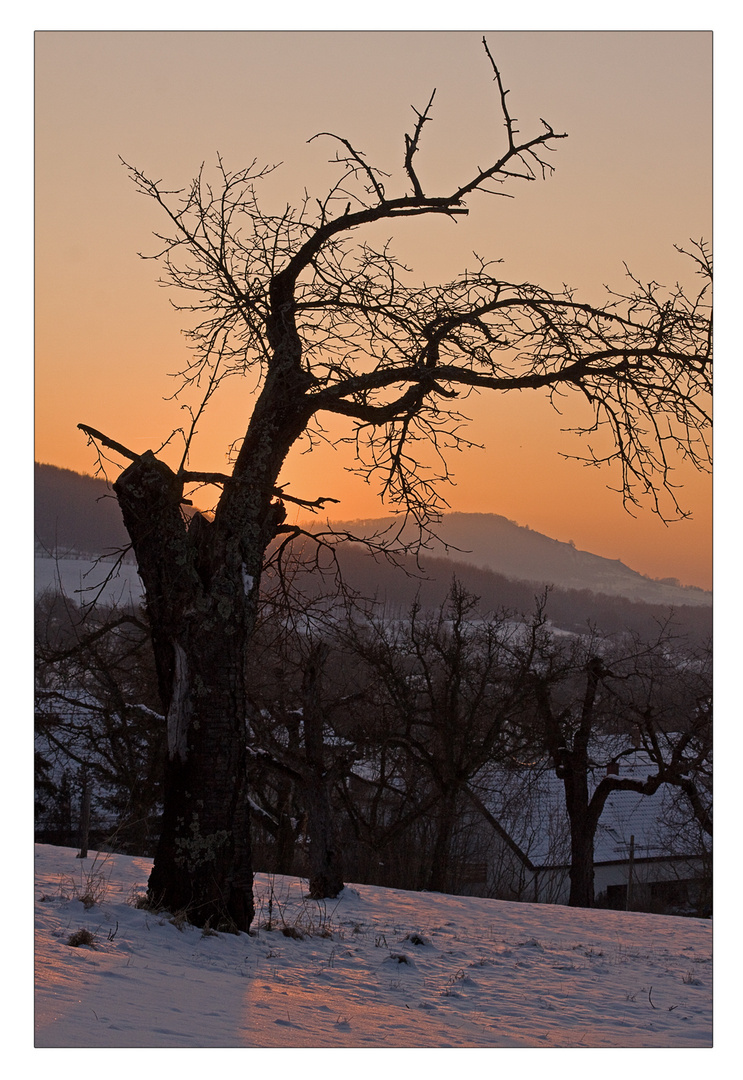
point(321, 321)
point(294, 730)
point(96, 718)
point(451, 691)
point(649, 695)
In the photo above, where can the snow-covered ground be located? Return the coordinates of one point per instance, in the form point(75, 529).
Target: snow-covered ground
point(376, 968)
point(84, 579)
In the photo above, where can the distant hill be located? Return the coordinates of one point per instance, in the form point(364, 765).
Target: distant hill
point(503, 563)
point(574, 610)
point(73, 512)
point(492, 542)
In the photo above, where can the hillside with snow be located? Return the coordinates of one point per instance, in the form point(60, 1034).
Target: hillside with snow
point(375, 968)
point(519, 553)
point(79, 514)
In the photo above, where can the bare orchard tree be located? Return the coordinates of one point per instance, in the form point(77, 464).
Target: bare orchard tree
point(294, 733)
point(452, 692)
point(595, 703)
point(306, 306)
point(95, 714)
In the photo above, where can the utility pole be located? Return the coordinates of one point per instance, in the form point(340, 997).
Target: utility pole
point(84, 814)
point(631, 867)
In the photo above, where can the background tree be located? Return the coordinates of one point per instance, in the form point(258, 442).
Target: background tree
point(97, 719)
point(451, 694)
point(596, 701)
point(296, 703)
point(317, 314)
point(683, 830)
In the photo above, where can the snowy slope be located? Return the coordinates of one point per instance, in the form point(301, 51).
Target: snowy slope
point(377, 968)
point(85, 579)
point(76, 511)
point(517, 552)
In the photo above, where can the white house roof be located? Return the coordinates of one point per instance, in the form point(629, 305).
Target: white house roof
point(544, 836)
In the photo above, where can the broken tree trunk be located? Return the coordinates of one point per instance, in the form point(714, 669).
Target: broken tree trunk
point(200, 598)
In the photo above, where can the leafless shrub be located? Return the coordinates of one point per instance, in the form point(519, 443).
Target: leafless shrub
point(82, 937)
point(179, 920)
point(417, 939)
point(311, 918)
point(91, 885)
point(140, 900)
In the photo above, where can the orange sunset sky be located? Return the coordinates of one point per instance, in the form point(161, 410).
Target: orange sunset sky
point(633, 179)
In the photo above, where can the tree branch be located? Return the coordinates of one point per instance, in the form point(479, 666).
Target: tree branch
point(98, 436)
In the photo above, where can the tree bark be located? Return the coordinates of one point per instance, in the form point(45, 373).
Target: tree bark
point(198, 596)
point(85, 799)
point(326, 872)
point(582, 831)
point(439, 879)
point(203, 860)
point(285, 831)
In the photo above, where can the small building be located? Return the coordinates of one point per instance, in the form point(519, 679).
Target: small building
point(649, 854)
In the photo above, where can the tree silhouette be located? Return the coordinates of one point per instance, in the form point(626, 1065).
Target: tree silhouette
point(597, 700)
point(320, 319)
point(450, 694)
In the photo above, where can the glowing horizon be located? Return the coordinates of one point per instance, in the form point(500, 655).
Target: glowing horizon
point(632, 180)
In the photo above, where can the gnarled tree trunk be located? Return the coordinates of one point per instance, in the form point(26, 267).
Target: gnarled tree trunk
point(200, 601)
point(202, 583)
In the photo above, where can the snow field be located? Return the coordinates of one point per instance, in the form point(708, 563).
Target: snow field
point(375, 968)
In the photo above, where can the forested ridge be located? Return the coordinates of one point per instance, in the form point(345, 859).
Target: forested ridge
point(74, 512)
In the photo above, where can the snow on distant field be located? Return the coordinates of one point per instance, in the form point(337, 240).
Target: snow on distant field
point(376, 968)
point(81, 578)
